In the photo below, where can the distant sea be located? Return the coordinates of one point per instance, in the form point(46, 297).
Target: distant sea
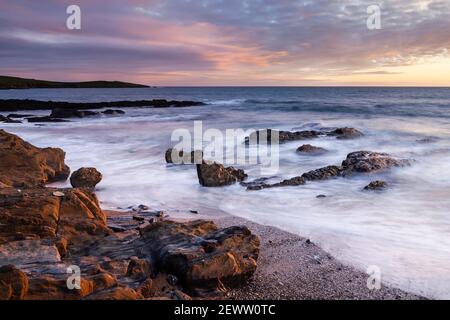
point(404, 230)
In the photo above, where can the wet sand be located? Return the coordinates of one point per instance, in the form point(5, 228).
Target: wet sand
point(293, 268)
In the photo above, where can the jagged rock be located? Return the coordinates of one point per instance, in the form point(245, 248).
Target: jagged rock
point(216, 175)
point(202, 256)
point(309, 149)
point(296, 181)
point(346, 133)
point(376, 185)
point(34, 214)
point(146, 288)
point(269, 136)
point(13, 283)
point(180, 157)
point(138, 269)
point(85, 178)
point(24, 165)
point(119, 293)
point(323, 173)
point(367, 161)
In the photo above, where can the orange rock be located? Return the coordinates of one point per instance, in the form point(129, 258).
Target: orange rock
point(24, 165)
point(13, 283)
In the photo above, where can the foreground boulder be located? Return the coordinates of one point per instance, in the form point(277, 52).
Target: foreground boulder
point(180, 157)
point(13, 283)
point(85, 178)
point(202, 256)
point(24, 165)
point(217, 175)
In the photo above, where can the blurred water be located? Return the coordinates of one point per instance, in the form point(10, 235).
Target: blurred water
point(405, 230)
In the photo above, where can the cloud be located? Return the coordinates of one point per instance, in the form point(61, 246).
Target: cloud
point(217, 40)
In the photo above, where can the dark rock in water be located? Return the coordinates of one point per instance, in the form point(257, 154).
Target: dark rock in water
point(45, 119)
point(321, 196)
point(85, 178)
point(323, 173)
point(22, 164)
point(178, 249)
point(428, 140)
point(193, 211)
point(8, 120)
point(113, 112)
point(296, 181)
point(13, 283)
point(216, 175)
point(71, 113)
point(309, 149)
point(180, 157)
point(18, 115)
point(376, 185)
point(346, 133)
point(269, 136)
point(367, 161)
point(14, 105)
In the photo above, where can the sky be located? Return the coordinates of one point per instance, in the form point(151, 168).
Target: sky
point(229, 42)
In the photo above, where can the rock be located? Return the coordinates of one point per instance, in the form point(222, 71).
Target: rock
point(376, 185)
point(323, 173)
point(45, 119)
point(309, 149)
point(58, 194)
point(36, 214)
point(202, 256)
point(119, 293)
point(71, 113)
point(216, 175)
point(24, 165)
point(367, 162)
point(269, 136)
point(113, 112)
point(146, 288)
point(180, 157)
point(24, 252)
point(321, 196)
point(18, 115)
point(8, 120)
point(138, 269)
point(346, 133)
point(13, 283)
point(296, 181)
point(172, 280)
point(85, 178)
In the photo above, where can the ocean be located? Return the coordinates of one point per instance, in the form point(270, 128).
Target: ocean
point(405, 230)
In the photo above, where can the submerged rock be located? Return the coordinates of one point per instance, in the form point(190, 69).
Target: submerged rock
point(217, 175)
point(309, 149)
point(85, 178)
point(45, 119)
point(180, 157)
point(269, 136)
point(63, 113)
point(113, 112)
point(376, 185)
point(323, 173)
point(22, 164)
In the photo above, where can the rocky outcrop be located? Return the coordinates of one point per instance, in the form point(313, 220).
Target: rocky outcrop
point(13, 283)
point(217, 175)
point(180, 157)
point(112, 112)
point(309, 149)
point(376, 185)
point(359, 162)
point(273, 136)
point(46, 232)
point(85, 178)
point(24, 165)
point(368, 162)
point(201, 256)
point(14, 105)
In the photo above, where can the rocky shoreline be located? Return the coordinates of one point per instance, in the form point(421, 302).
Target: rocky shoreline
point(47, 235)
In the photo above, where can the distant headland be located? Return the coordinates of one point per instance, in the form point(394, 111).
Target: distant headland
point(7, 82)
